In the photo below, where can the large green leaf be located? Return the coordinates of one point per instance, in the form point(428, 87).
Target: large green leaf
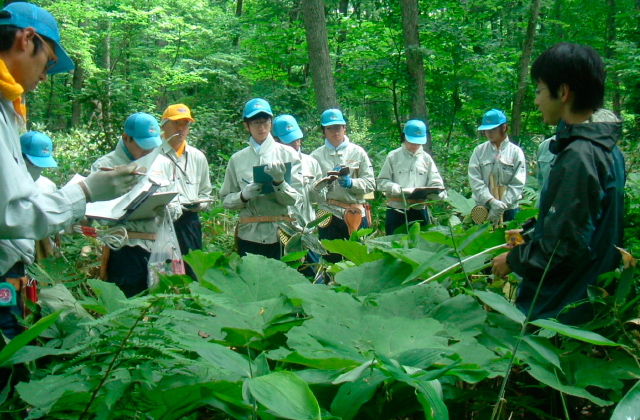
point(200, 261)
point(410, 302)
point(502, 305)
point(461, 204)
point(24, 338)
point(461, 316)
point(374, 277)
point(223, 357)
point(286, 395)
point(353, 251)
point(110, 297)
point(544, 348)
point(352, 395)
point(573, 332)
point(629, 406)
point(431, 400)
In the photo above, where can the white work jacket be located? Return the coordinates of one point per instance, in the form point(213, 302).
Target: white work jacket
point(355, 157)
point(46, 185)
point(408, 170)
point(27, 214)
point(161, 169)
point(190, 173)
point(508, 167)
point(311, 172)
point(240, 170)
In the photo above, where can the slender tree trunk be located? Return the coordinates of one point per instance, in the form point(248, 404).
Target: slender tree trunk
point(415, 65)
point(523, 71)
point(319, 60)
point(106, 65)
point(236, 39)
point(609, 52)
point(557, 16)
point(76, 106)
point(342, 34)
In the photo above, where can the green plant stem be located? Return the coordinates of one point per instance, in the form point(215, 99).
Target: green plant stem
point(498, 407)
point(455, 247)
point(115, 357)
point(459, 263)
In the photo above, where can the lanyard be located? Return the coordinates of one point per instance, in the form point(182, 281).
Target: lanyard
point(177, 165)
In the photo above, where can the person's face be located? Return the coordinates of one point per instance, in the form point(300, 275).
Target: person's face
point(179, 129)
point(335, 134)
point(33, 69)
point(259, 129)
point(411, 147)
point(132, 146)
point(295, 144)
point(496, 135)
point(551, 108)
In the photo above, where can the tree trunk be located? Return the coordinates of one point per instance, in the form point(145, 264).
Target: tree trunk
point(415, 66)
point(236, 39)
point(342, 33)
point(609, 50)
point(76, 106)
point(319, 59)
point(557, 16)
point(106, 65)
point(523, 71)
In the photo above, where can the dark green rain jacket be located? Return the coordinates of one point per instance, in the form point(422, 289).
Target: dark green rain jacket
point(581, 210)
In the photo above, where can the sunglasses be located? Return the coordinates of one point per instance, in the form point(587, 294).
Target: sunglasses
point(54, 59)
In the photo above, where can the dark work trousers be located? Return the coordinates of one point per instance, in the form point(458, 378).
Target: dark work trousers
point(395, 218)
point(128, 269)
point(9, 314)
point(307, 268)
point(268, 250)
point(189, 233)
point(510, 215)
point(337, 229)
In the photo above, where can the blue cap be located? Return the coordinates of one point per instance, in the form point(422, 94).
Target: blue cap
point(286, 128)
point(492, 119)
point(332, 117)
point(144, 129)
point(24, 15)
point(415, 131)
point(37, 147)
point(256, 106)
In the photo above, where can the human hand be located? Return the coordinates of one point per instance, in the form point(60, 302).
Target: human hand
point(513, 238)
point(107, 185)
point(494, 216)
point(499, 266)
point(496, 204)
point(345, 181)
point(276, 169)
point(324, 182)
point(396, 190)
point(250, 191)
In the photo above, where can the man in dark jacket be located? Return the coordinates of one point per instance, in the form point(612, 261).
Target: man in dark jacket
point(582, 204)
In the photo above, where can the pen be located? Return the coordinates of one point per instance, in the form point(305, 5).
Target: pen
point(248, 182)
point(111, 169)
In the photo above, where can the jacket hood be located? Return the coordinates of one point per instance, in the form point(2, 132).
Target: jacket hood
point(602, 128)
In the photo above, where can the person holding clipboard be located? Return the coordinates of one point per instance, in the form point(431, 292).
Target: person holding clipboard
point(264, 201)
point(408, 178)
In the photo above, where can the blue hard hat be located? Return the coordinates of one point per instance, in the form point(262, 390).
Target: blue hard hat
point(37, 147)
point(286, 128)
point(25, 15)
point(415, 131)
point(144, 129)
point(492, 119)
point(256, 106)
point(332, 117)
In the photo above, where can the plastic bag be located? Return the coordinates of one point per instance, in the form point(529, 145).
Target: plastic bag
point(165, 257)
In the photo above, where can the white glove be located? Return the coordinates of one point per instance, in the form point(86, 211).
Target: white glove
point(250, 191)
point(396, 190)
point(107, 185)
point(494, 216)
point(496, 204)
point(276, 169)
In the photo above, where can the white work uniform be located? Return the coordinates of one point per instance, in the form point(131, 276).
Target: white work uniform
point(508, 167)
point(161, 169)
point(353, 156)
point(27, 214)
point(311, 172)
point(190, 173)
point(408, 170)
point(46, 185)
point(240, 170)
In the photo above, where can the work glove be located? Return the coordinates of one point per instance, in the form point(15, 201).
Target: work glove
point(107, 185)
point(250, 191)
point(345, 181)
point(494, 216)
point(195, 208)
point(396, 190)
point(496, 204)
point(276, 169)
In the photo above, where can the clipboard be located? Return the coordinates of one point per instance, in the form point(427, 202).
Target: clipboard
point(261, 177)
point(423, 192)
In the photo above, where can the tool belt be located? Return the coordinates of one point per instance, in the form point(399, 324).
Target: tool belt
point(142, 235)
point(266, 219)
point(352, 214)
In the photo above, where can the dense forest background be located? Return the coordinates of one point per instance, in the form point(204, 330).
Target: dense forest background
point(465, 57)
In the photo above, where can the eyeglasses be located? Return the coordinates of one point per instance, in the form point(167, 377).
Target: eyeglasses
point(54, 58)
point(540, 90)
point(258, 124)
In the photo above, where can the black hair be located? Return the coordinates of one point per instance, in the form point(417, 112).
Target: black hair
point(323, 127)
point(258, 116)
point(578, 66)
point(8, 35)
